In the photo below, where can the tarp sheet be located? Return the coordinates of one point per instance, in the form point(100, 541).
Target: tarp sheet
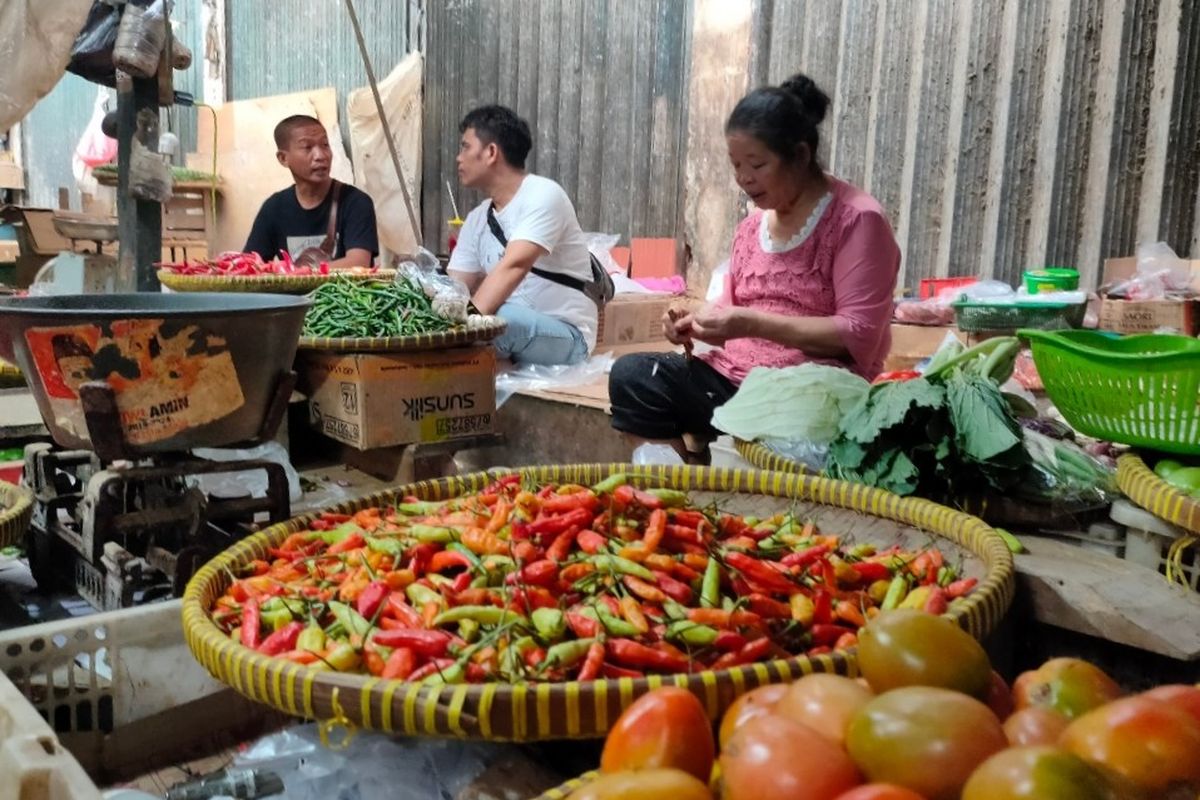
point(35, 46)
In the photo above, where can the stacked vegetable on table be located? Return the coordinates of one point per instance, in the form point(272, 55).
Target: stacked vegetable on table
point(929, 720)
point(252, 264)
point(372, 309)
point(567, 582)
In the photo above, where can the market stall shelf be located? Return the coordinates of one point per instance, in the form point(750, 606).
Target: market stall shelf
point(16, 509)
point(272, 284)
point(480, 329)
point(532, 711)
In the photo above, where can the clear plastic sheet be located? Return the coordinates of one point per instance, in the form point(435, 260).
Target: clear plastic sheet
point(448, 297)
point(140, 39)
point(652, 453)
point(252, 482)
point(533, 377)
point(1160, 272)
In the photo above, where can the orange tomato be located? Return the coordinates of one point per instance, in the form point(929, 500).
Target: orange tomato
point(772, 758)
point(824, 703)
point(1034, 725)
point(1148, 742)
point(1070, 686)
point(1038, 773)
point(879, 791)
point(645, 784)
point(926, 739)
point(1185, 698)
point(905, 647)
point(667, 727)
point(746, 707)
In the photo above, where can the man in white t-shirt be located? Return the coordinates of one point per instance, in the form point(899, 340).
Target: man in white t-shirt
point(510, 262)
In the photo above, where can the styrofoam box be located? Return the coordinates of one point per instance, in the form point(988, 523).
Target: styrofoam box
point(1148, 540)
point(33, 763)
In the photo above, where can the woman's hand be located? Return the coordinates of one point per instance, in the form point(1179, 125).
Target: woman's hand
point(716, 325)
point(677, 326)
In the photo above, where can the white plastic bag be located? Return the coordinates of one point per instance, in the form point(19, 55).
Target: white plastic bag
point(447, 296)
point(600, 245)
point(537, 377)
point(252, 482)
point(651, 453)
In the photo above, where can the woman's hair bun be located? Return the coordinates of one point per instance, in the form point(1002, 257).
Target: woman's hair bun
point(815, 101)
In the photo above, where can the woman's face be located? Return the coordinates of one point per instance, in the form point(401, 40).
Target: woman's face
point(761, 173)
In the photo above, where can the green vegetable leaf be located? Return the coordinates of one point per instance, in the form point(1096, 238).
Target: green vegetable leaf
point(887, 405)
point(983, 427)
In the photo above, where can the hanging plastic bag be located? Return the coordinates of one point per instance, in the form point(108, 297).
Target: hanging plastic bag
point(140, 39)
point(95, 148)
point(92, 53)
point(447, 296)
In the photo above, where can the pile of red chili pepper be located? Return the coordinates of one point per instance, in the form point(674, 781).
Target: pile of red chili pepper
point(566, 582)
point(243, 264)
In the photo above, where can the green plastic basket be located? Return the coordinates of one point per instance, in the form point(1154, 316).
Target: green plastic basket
point(1137, 390)
point(978, 316)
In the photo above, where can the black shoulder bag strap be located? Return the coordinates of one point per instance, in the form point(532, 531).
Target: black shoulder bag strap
point(556, 277)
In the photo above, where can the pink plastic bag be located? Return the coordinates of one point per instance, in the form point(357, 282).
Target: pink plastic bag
point(94, 148)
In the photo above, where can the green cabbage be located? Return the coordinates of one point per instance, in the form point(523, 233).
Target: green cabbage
point(804, 403)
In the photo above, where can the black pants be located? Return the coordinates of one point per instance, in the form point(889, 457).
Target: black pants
point(664, 395)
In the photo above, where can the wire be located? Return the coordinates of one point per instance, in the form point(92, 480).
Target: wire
point(212, 195)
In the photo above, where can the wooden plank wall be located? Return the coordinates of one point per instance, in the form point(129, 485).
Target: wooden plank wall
point(1008, 134)
point(603, 85)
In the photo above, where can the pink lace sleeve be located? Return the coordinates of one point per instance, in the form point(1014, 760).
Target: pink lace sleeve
point(864, 278)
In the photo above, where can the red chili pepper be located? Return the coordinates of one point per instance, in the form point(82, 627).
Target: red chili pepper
point(768, 607)
point(430, 668)
point(418, 557)
point(729, 641)
point(896, 375)
point(371, 599)
point(561, 547)
point(635, 654)
point(622, 497)
point(281, 640)
point(827, 634)
point(871, 571)
point(251, 622)
point(768, 574)
point(682, 533)
point(448, 559)
point(352, 542)
point(501, 485)
point(937, 603)
point(562, 503)
point(423, 642)
point(613, 671)
point(534, 656)
point(805, 557)
point(590, 542)
point(461, 582)
point(320, 525)
point(583, 627)
point(677, 591)
point(646, 500)
point(592, 662)
point(961, 587)
point(539, 573)
point(822, 608)
point(690, 519)
point(398, 607)
point(553, 526)
point(400, 664)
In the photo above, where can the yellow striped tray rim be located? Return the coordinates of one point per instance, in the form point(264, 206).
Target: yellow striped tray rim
point(1142, 486)
point(482, 331)
point(16, 510)
point(272, 284)
point(574, 709)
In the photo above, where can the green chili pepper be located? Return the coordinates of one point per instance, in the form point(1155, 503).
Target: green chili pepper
point(350, 619)
point(610, 483)
point(485, 615)
point(710, 585)
point(419, 508)
point(674, 610)
point(420, 595)
point(564, 654)
point(895, 593)
point(511, 663)
point(312, 639)
point(468, 629)
point(728, 603)
point(431, 533)
point(343, 658)
point(495, 562)
point(277, 617)
point(389, 545)
point(550, 623)
point(438, 580)
point(455, 673)
point(945, 576)
point(1013, 543)
point(671, 498)
point(610, 563)
point(341, 532)
point(612, 623)
point(480, 581)
point(691, 633)
point(459, 547)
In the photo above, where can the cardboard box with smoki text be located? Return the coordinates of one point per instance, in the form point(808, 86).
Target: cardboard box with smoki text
point(376, 400)
point(912, 344)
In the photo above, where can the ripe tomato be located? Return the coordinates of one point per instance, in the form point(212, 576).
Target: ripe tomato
point(926, 739)
point(905, 647)
point(1185, 698)
point(1148, 742)
point(663, 728)
point(746, 707)
point(879, 791)
point(645, 784)
point(1070, 686)
point(1043, 773)
point(998, 697)
point(772, 758)
point(824, 703)
point(1035, 725)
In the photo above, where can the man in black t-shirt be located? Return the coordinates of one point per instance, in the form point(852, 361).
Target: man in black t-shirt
point(318, 219)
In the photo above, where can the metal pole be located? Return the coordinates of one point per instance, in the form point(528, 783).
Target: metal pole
point(387, 129)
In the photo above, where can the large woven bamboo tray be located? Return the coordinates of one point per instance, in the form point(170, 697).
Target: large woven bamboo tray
point(272, 284)
point(576, 709)
point(1155, 495)
point(482, 329)
point(16, 509)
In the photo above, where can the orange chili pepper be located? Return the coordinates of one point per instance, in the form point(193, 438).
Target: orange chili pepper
point(632, 611)
point(573, 572)
point(656, 527)
point(399, 578)
point(848, 612)
point(428, 612)
point(644, 590)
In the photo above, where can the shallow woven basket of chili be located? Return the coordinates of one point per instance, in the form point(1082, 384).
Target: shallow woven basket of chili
point(484, 330)
point(1155, 495)
point(271, 284)
point(578, 709)
point(16, 510)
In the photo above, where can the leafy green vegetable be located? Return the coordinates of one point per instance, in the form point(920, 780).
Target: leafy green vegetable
point(803, 403)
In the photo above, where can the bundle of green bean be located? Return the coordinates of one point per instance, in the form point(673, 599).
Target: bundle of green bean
point(344, 307)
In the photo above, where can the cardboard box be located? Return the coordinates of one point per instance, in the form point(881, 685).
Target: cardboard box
point(633, 319)
point(1120, 269)
point(369, 400)
point(912, 344)
point(1148, 316)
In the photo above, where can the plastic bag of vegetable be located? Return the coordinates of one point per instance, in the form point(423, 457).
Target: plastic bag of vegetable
point(1063, 471)
point(447, 296)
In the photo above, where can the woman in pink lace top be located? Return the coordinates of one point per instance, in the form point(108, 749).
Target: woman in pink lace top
point(811, 278)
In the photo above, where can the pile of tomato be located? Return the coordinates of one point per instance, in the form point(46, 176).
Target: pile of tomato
point(567, 582)
point(929, 720)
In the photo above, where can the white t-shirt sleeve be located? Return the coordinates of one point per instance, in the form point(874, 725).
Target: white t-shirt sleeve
point(544, 217)
point(466, 257)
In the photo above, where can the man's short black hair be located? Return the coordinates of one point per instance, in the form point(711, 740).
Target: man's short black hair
point(501, 126)
point(285, 129)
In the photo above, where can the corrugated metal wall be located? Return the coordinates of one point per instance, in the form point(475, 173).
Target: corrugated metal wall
point(602, 84)
point(1007, 134)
